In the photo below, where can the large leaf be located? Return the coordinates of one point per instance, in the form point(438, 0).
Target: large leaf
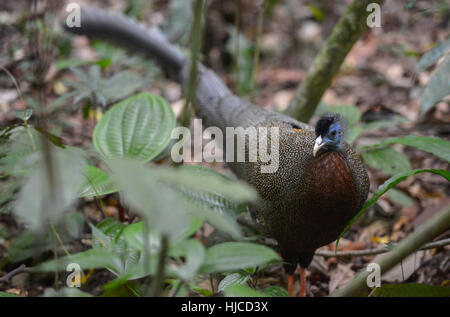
point(122, 85)
point(193, 253)
point(159, 204)
point(178, 24)
point(231, 256)
point(276, 291)
point(232, 279)
point(155, 194)
point(138, 127)
point(433, 55)
point(210, 198)
point(238, 290)
point(97, 183)
point(40, 200)
point(437, 88)
point(436, 146)
point(93, 258)
point(388, 160)
point(5, 294)
point(391, 182)
point(412, 290)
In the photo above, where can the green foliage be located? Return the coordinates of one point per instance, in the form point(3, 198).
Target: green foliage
point(97, 91)
point(44, 198)
point(433, 145)
point(242, 50)
point(30, 243)
point(437, 88)
point(5, 294)
point(97, 183)
point(138, 127)
point(178, 24)
point(439, 85)
point(399, 197)
point(387, 160)
point(276, 291)
point(230, 256)
point(238, 290)
point(232, 279)
point(433, 55)
point(390, 183)
point(411, 290)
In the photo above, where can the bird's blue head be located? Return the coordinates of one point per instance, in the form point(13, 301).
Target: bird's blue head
point(329, 133)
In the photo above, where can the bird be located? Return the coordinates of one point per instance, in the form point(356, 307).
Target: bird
point(320, 183)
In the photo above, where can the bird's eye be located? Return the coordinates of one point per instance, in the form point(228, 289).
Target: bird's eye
point(333, 133)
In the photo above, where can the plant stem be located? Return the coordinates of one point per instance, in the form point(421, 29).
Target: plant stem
point(159, 277)
point(259, 25)
point(428, 231)
point(196, 36)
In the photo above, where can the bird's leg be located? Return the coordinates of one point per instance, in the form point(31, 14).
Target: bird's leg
point(291, 284)
point(302, 282)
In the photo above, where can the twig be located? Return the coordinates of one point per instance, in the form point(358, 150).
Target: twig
point(5, 278)
point(375, 251)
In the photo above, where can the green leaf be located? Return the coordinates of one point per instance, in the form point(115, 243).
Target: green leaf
point(69, 63)
point(178, 24)
point(437, 88)
point(399, 197)
point(24, 115)
point(411, 290)
point(433, 55)
point(158, 203)
point(238, 290)
point(122, 85)
point(202, 291)
point(134, 236)
point(193, 253)
point(210, 198)
point(138, 127)
point(97, 258)
point(5, 294)
point(38, 203)
point(388, 160)
point(433, 145)
point(316, 12)
point(242, 50)
point(146, 188)
point(391, 182)
point(97, 183)
point(378, 124)
point(230, 256)
point(276, 291)
point(232, 279)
